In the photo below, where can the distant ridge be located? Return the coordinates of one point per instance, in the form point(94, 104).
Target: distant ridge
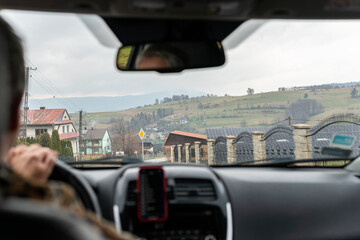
point(106, 104)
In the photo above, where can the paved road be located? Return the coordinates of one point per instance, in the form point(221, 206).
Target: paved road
point(157, 160)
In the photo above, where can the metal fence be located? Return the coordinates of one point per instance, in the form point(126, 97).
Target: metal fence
point(280, 143)
point(220, 150)
point(244, 147)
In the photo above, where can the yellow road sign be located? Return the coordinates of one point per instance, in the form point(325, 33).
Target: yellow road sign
point(141, 134)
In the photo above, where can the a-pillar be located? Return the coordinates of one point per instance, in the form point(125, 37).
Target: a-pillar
point(230, 146)
point(187, 152)
point(179, 152)
point(211, 146)
point(197, 152)
point(303, 142)
point(172, 154)
point(259, 145)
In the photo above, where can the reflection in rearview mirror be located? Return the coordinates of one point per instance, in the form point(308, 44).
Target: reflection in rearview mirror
point(170, 56)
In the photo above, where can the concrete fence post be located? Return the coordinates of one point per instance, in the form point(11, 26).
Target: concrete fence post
point(197, 152)
point(259, 145)
point(211, 148)
point(172, 154)
point(187, 152)
point(179, 152)
point(303, 144)
point(230, 146)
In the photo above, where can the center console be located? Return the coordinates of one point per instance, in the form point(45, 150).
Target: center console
point(196, 206)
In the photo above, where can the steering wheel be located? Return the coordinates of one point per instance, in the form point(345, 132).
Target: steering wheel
point(64, 173)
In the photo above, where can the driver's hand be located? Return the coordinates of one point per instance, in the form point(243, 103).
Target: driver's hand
point(33, 163)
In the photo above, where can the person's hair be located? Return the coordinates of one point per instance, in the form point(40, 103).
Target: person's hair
point(172, 55)
point(12, 74)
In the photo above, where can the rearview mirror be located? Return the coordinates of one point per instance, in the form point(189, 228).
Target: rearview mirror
point(170, 56)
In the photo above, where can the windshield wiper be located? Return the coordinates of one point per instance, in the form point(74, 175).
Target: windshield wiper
point(285, 162)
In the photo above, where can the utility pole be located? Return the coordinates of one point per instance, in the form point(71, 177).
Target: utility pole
point(26, 99)
point(289, 121)
point(80, 133)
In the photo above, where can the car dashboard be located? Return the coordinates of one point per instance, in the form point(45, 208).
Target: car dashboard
point(236, 202)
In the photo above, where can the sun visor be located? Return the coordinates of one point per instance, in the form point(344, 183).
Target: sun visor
point(137, 31)
point(100, 30)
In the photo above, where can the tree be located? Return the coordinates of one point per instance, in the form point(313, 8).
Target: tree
point(45, 140)
point(55, 143)
point(156, 101)
point(301, 110)
point(250, 91)
point(306, 95)
point(68, 152)
point(119, 129)
point(243, 123)
point(354, 93)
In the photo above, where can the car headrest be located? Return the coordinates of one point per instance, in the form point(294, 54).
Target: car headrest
point(21, 218)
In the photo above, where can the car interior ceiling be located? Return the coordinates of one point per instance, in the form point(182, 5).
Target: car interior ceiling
point(248, 203)
point(224, 9)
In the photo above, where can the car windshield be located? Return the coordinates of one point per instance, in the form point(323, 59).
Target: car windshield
point(289, 90)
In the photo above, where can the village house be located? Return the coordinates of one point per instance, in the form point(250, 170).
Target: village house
point(44, 120)
point(178, 139)
point(96, 142)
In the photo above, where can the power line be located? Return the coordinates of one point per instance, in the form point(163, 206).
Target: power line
point(52, 89)
point(51, 92)
point(56, 90)
point(54, 94)
point(37, 100)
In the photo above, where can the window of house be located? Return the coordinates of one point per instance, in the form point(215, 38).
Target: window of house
point(38, 132)
point(88, 150)
point(63, 129)
point(67, 128)
point(100, 150)
point(88, 143)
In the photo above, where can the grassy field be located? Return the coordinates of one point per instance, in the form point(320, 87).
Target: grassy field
point(236, 111)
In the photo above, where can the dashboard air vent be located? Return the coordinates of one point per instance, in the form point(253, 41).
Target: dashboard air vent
point(194, 189)
point(131, 194)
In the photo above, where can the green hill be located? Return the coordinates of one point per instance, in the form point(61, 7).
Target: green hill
point(234, 111)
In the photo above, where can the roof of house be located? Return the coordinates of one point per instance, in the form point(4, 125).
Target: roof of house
point(45, 116)
point(187, 134)
point(95, 134)
point(223, 132)
point(68, 135)
point(179, 137)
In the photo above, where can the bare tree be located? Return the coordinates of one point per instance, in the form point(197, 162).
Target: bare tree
point(119, 130)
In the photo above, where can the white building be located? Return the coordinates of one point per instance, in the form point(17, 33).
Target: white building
point(46, 120)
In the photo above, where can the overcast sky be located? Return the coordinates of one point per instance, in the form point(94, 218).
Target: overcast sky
point(280, 53)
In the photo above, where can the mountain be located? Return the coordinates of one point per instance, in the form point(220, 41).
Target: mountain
point(107, 104)
point(197, 114)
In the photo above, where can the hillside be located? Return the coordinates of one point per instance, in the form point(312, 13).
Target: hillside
point(234, 111)
point(105, 104)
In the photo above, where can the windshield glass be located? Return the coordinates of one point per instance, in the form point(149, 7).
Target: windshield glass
point(289, 90)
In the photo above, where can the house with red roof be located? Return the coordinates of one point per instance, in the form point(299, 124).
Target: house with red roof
point(179, 138)
point(44, 120)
